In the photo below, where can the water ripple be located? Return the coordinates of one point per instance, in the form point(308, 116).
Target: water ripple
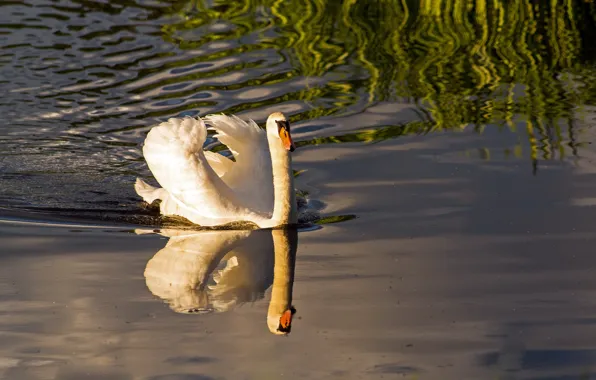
point(85, 80)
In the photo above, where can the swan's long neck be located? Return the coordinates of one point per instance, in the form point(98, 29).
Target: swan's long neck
point(284, 206)
point(285, 242)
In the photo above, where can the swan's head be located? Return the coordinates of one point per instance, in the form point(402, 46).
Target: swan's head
point(281, 325)
point(279, 127)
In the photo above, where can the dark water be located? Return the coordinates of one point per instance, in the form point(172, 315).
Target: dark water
point(459, 134)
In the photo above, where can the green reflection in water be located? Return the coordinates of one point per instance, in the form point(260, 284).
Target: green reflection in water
point(335, 219)
point(372, 135)
point(504, 63)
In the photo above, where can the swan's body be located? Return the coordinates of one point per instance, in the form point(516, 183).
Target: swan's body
point(209, 189)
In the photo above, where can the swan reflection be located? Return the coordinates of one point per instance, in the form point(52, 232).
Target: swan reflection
point(214, 271)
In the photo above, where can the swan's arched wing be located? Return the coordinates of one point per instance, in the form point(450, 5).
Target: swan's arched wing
point(220, 164)
point(251, 175)
point(174, 153)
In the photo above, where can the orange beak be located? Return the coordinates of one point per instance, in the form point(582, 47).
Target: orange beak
point(283, 128)
point(286, 319)
point(286, 139)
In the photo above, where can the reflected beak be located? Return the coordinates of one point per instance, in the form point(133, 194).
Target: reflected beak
point(285, 321)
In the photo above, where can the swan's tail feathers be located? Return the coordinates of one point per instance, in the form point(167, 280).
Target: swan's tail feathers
point(148, 192)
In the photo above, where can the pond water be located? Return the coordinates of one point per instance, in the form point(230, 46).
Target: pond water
point(451, 141)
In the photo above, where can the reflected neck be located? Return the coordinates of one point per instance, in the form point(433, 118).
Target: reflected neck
point(285, 243)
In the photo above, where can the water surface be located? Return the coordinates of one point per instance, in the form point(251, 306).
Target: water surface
point(84, 81)
point(458, 133)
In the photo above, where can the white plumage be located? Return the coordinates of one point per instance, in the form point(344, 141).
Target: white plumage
point(209, 189)
point(251, 175)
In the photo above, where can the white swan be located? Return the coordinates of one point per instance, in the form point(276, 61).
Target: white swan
point(209, 189)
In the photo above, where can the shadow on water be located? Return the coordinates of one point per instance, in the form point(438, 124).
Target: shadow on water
point(216, 271)
point(84, 81)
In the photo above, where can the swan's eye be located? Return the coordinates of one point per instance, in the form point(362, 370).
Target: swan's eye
point(283, 125)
